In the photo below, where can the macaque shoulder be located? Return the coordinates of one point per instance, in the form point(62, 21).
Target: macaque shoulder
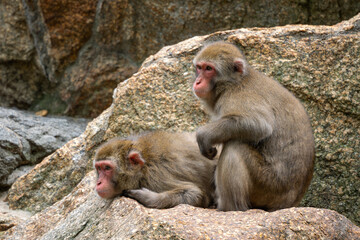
point(240, 102)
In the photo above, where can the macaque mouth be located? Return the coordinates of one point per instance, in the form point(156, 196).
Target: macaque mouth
point(102, 193)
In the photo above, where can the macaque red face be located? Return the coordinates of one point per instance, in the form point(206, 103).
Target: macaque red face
point(104, 184)
point(211, 72)
point(205, 72)
point(117, 171)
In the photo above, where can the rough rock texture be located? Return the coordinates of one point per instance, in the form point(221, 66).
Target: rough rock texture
point(25, 139)
point(15, 39)
point(21, 79)
point(8, 217)
point(319, 64)
point(81, 49)
point(84, 215)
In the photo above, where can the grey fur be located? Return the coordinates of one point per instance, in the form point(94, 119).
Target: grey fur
point(268, 146)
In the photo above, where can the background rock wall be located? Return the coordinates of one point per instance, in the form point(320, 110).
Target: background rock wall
point(68, 56)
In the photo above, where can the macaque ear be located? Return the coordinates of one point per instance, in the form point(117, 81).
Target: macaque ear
point(240, 66)
point(135, 159)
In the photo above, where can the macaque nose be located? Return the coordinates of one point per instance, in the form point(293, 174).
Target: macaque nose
point(98, 183)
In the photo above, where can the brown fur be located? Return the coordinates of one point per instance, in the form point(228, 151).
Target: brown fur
point(268, 147)
point(174, 171)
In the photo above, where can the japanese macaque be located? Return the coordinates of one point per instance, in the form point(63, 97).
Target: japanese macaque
point(158, 169)
point(268, 152)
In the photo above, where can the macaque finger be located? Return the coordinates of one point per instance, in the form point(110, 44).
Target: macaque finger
point(211, 153)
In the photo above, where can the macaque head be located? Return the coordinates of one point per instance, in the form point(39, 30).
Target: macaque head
point(217, 62)
point(118, 166)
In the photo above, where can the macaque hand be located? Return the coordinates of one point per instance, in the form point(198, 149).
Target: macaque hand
point(206, 149)
point(144, 196)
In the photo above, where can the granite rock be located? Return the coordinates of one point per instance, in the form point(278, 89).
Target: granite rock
point(25, 139)
point(84, 215)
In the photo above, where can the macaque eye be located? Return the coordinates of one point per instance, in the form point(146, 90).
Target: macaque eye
point(107, 168)
point(198, 67)
point(208, 68)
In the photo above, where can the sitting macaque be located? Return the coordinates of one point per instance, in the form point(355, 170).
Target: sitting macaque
point(268, 151)
point(158, 169)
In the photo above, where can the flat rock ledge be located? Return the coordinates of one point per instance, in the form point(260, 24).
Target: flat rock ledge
point(84, 215)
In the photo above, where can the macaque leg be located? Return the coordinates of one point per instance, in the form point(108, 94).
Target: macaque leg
point(232, 178)
point(185, 193)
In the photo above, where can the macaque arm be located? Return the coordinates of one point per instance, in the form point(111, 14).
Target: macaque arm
point(188, 193)
point(247, 128)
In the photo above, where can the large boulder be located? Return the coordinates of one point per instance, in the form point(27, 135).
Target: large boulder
point(67, 56)
point(319, 64)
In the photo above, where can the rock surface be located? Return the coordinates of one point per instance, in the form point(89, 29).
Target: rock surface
point(25, 139)
point(84, 215)
point(20, 77)
point(319, 64)
point(68, 56)
point(8, 217)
